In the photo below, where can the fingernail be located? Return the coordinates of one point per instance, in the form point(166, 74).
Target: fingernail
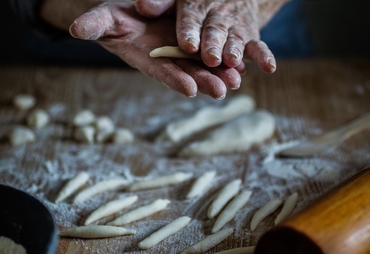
point(215, 52)
point(271, 62)
point(234, 52)
point(221, 97)
point(194, 42)
point(192, 96)
point(236, 88)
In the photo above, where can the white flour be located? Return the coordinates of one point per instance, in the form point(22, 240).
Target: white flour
point(268, 177)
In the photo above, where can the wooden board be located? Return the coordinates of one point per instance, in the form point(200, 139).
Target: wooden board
point(306, 98)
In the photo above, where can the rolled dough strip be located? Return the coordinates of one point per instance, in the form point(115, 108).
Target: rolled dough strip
point(141, 212)
point(209, 242)
point(172, 52)
point(96, 231)
point(201, 184)
point(263, 212)
point(72, 186)
point(243, 250)
point(223, 197)
point(110, 208)
point(207, 117)
point(240, 134)
point(164, 232)
point(108, 185)
point(288, 208)
point(231, 209)
point(161, 181)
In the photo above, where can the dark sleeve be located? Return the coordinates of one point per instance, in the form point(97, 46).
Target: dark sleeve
point(28, 13)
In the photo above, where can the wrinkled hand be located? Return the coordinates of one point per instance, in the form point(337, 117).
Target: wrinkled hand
point(122, 31)
point(224, 31)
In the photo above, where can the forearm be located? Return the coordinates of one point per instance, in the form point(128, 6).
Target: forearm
point(61, 14)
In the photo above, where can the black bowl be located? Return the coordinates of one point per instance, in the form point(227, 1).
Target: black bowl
point(26, 221)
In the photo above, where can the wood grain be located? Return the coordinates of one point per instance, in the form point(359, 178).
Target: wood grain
point(307, 98)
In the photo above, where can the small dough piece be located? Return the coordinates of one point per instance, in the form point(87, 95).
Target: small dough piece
point(141, 212)
point(110, 208)
point(209, 242)
point(122, 136)
point(243, 250)
point(223, 197)
point(200, 184)
point(173, 52)
point(263, 212)
point(240, 134)
point(83, 118)
point(164, 232)
point(8, 246)
point(24, 101)
point(84, 134)
point(72, 186)
point(21, 135)
point(288, 208)
point(161, 181)
point(96, 231)
point(104, 129)
point(38, 118)
point(107, 185)
point(231, 209)
point(207, 117)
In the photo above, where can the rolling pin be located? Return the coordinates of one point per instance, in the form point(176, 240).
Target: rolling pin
point(336, 223)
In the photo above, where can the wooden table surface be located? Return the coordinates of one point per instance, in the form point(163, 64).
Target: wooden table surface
point(306, 97)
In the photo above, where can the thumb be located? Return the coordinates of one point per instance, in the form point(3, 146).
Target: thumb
point(91, 25)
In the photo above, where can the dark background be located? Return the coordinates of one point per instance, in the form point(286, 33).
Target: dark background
point(339, 28)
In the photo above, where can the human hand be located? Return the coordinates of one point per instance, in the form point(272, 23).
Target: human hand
point(224, 31)
point(122, 31)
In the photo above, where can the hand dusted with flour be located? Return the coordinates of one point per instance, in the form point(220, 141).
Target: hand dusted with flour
point(221, 30)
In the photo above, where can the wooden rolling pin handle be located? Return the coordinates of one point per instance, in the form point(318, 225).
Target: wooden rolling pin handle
point(336, 223)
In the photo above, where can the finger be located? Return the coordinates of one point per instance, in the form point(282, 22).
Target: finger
point(241, 68)
point(230, 76)
point(188, 26)
point(258, 51)
point(214, 35)
point(207, 82)
point(232, 54)
point(92, 25)
point(171, 75)
point(154, 8)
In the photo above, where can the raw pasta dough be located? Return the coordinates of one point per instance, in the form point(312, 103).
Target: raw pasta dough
point(8, 246)
point(161, 181)
point(209, 242)
point(164, 232)
point(288, 208)
point(141, 212)
point(72, 186)
point(24, 101)
point(96, 231)
point(231, 209)
point(223, 197)
point(240, 134)
point(38, 118)
point(173, 52)
point(207, 117)
point(21, 135)
point(201, 184)
point(110, 208)
point(263, 212)
point(108, 185)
